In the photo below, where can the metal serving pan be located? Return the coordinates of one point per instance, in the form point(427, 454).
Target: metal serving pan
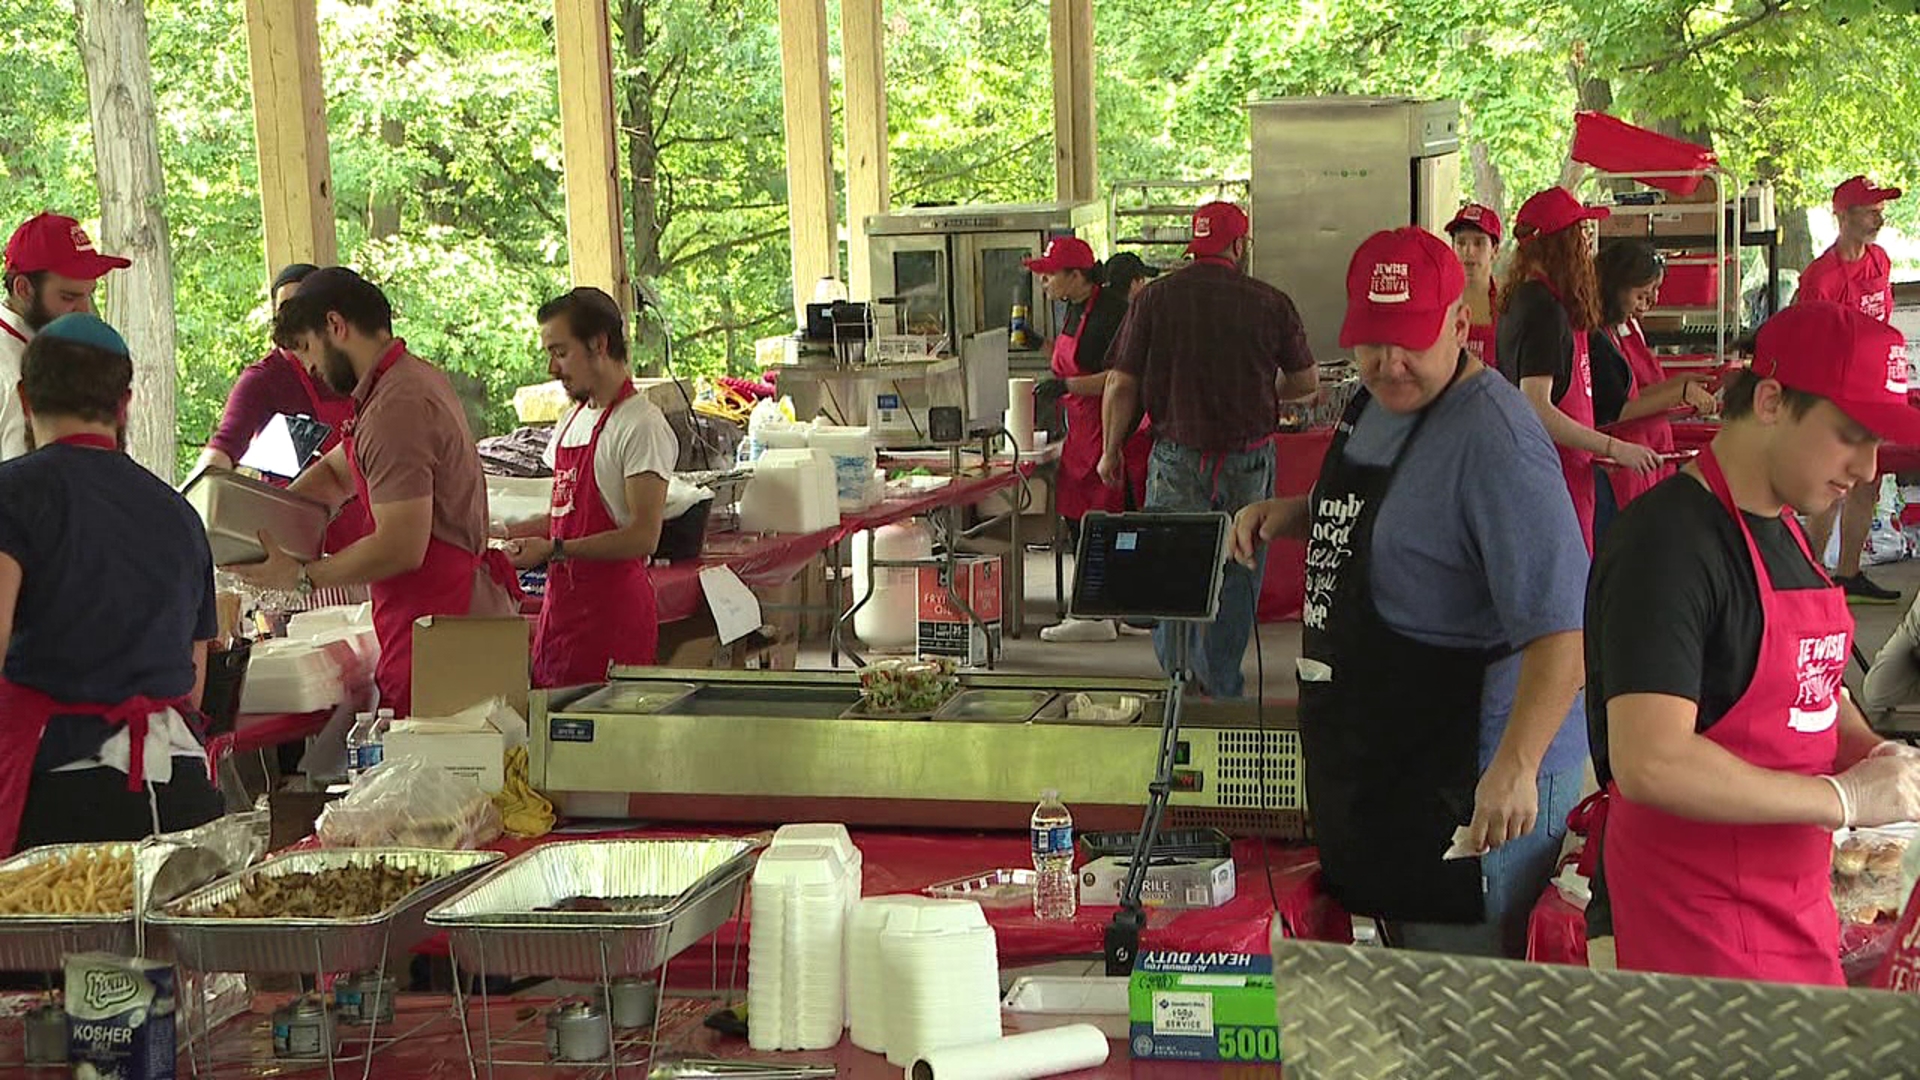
point(205, 942)
point(664, 894)
point(42, 942)
point(237, 508)
point(994, 706)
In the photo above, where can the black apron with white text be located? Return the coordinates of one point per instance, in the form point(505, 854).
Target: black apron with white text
point(1392, 738)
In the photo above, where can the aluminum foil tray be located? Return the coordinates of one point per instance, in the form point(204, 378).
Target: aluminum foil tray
point(204, 942)
point(995, 888)
point(664, 895)
point(42, 942)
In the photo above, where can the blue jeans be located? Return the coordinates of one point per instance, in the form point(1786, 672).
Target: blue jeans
point(1182, 479)
point(1514, 876)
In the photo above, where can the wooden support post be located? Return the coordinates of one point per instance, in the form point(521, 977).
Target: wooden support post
point(864, 72)
point(1085, 175)
point(1060, 42)
point(290, 134)
point(596, 232)
point(133, 216)
point(809, 128)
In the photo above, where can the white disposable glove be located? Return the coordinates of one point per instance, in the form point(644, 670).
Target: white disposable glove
point(1880, 789)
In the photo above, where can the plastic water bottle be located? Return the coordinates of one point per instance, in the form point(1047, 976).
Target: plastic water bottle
point(1055, 893)
point(359, 741)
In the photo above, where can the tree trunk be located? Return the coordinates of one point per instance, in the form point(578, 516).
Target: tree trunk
point(643, 172)
point(383, 203)
point(1489, 188)
point(133, 215)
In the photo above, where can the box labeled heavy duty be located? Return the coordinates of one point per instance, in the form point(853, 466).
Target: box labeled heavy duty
point(1186, 1006)
point(944, 629)
point(120, 1017)
point(1172, 882)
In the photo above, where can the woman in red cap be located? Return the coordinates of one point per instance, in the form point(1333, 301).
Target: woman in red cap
point(1476, 239)
point(1550, 302)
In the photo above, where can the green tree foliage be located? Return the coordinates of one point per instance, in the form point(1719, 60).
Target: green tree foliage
point(446, 145)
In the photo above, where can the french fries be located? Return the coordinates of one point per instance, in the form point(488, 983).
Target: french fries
point(88, 882)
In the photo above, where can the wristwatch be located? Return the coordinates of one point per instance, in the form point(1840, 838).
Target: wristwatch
point(559, 552)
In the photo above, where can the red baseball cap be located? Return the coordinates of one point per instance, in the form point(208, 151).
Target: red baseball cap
point(1476, 216)
point(1554, 209)
point(52, 242)
point(1846, 356)
point(1859, 191)
point(1063, 253)
point(1400, 286)
point(1215, 227)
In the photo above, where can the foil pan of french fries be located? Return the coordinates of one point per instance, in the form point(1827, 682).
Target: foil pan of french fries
point(65, 898)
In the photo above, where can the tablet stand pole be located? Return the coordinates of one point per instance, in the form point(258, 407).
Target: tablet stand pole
point(1123, 934)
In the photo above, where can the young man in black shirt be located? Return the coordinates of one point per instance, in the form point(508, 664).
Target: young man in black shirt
point(1715, 650)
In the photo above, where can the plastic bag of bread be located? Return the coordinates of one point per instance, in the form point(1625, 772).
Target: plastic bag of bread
point(1866, 875)
point(411, 803)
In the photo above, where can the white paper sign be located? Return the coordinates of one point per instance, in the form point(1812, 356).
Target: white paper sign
point(736, 611)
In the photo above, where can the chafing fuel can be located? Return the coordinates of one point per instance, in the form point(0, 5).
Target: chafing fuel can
point(577, 1031)
point(307, 1029)
point(364, 997)
point(46, 1029)
point(631, 1001)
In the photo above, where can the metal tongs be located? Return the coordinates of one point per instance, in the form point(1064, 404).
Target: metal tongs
point(740, 1069)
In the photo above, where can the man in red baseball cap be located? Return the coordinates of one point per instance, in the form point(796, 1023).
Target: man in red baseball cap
point(1210, 352)
point(1857, 273)
point(50, 270)
point(1716, 647)
point(1445, 587)
point(1476, 236)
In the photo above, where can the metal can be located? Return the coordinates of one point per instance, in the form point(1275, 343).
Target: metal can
point(46, 1029)
point(630, 1001)
point(308, 1030)
point(577, 1031)
point(282, 1025)
point(365, 997)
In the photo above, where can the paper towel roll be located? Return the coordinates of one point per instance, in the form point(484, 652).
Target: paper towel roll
point(1020, 413)
point(1018, 1057)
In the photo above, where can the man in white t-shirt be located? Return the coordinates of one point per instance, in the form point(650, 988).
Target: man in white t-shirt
point(611, 456)
point(51, 270)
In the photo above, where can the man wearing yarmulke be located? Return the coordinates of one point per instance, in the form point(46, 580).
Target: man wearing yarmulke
point(106, 610)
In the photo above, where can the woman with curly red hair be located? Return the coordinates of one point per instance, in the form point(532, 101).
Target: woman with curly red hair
point(1548, 303)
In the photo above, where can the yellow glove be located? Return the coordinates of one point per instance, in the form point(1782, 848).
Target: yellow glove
point(524, 812)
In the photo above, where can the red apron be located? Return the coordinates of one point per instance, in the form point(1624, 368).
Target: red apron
point(24, 713)
point(1481, 339)
point(441, 585)
point(1643, 370)
point(12, 333)
point(1577, 403)
point(353, 521)
point(597, 611)
point(1744, 901)
point(1080, 489)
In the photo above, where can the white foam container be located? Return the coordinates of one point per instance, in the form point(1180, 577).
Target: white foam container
point(1038, 1002)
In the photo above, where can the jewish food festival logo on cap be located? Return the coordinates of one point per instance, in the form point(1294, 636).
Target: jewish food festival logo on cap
point(1897, 371)
point(81, 241)
point(1390, 285)
point(1202, 226)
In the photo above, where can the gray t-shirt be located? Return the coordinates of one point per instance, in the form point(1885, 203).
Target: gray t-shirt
point(1476, 545)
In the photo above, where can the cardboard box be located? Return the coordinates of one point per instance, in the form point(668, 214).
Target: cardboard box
point(944, 630)
point(1203, 1007)
point(459, 662)
point(480, 756)
point(694, 642)
point(1172, 883)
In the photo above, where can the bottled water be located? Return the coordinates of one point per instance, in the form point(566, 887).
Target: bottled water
point(1056, 895)
point(361, 745)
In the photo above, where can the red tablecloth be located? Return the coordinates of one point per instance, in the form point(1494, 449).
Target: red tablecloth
point(1296, 466)
point(897, 862)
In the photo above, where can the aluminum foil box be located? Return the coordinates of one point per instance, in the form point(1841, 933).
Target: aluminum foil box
point(1203, 1007)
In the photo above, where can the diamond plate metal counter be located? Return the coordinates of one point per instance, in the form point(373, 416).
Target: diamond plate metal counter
point(1384, 1014)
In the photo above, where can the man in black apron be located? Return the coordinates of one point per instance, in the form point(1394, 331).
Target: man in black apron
point(1445, 578)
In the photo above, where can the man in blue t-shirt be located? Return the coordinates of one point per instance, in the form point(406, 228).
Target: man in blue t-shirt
point(1442, 644)
point(106, 609)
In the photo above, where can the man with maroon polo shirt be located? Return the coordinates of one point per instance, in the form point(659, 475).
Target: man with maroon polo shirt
point(1856, 273)
point(1210, 351)
point(51, 270)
